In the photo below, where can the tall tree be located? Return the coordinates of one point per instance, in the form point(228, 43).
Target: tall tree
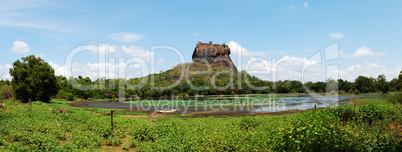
point(382, 84)
point(363, 84)
point(399, 85)
point(33, 79)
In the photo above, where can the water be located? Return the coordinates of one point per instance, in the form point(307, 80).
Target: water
point(216, 105)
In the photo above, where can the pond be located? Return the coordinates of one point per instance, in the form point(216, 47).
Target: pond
point(241, 104)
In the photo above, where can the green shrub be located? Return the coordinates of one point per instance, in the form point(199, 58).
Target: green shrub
point(371, 112)
point(344, 112)
point(313, 131)
point(18, 147)
point(142, 132)
point(248, 123)
point(70, 96)
point(85, 139)
point(3, 142)
point(395, 98)
point(69, 147)
point(356, 92)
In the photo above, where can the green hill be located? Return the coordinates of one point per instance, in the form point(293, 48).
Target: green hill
point(197, 78)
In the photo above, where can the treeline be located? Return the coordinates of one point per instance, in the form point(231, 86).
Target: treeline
point(200, 84)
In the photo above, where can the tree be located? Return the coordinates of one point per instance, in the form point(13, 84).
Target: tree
point(33, 79)
point(363, 84)
point(399, 85)
point(382, 84)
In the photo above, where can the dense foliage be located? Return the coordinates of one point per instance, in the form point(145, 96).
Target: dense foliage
point(243, 83)
point(6, 90)
point(33, 79)
point(35, 129)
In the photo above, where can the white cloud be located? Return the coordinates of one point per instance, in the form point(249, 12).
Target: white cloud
point(364, 51)
point(20, 47)
point(126, 37)
point(137, 51)
point(40, 55)
point(59, 70)
point(196, 33)
point(237, 50)
point(101, 70)
point(292, 6)
point(305, 4)
point(286, 68)
point(368, 70)
point(4, 71)
point(336, 35)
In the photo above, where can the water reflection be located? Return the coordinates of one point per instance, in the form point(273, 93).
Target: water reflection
point(229, 104)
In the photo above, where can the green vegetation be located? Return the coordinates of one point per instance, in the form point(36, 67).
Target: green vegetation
point(38, 80)
point(395, 98)
point(33, 79)
point(364, 128)
point(52, 125)
point(140, 88)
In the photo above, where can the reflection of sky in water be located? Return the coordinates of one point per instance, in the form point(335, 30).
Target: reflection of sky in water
point(303, 103)
point(260, 105)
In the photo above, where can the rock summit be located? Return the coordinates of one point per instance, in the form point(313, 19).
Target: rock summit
point(209, 53)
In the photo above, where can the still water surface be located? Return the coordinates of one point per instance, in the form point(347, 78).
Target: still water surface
point(246, 104)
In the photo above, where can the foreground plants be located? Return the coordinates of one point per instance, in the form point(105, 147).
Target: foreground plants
point(364, 128)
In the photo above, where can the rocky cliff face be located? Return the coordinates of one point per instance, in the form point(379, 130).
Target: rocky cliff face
point(209, 53)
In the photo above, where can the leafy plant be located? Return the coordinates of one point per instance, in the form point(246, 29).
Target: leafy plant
point(395, 98)
point(313, 131)
point(248, 123)
point(113, 141)
point(344, 112)
point(371, 112)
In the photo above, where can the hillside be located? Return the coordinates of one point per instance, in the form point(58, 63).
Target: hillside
point(197, 79)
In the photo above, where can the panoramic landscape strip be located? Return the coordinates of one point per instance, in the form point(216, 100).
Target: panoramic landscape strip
point(200, 76)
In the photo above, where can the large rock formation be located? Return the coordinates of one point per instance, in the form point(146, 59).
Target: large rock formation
point(209, 53)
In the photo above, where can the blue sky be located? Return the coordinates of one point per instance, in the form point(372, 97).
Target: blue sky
point(368, 35)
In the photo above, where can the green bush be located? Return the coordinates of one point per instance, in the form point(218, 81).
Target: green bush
point(313, 131)
point(344, 112)
point(371, 112)
point(18, 147)
point(142, 132)
point(356, 92)
point(248, 123)
point(395, 98)
point(85, 139)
